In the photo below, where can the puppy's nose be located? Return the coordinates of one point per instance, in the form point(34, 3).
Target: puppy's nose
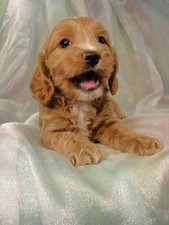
point(92, 58)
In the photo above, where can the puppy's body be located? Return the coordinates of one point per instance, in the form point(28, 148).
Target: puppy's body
point(76, 66)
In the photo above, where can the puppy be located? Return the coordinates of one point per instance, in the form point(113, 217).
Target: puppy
point(74, 81)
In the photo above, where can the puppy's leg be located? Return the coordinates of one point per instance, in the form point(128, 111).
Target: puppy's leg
point(76, 148)
point(121, 137)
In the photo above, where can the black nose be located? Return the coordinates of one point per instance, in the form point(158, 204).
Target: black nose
point(92, 58)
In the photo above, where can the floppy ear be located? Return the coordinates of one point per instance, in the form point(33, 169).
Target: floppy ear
point(42, 86)
point(113, 81)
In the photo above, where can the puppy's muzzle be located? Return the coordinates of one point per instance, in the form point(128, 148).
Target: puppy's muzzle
point(88, 81)
point(92, 58)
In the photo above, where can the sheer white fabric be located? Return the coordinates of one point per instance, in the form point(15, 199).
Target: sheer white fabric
point(39, 186)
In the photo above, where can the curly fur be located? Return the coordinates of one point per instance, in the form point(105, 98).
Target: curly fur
point(73, 117)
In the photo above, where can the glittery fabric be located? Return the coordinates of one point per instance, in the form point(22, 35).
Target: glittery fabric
point(41, 187)
point(38, 186)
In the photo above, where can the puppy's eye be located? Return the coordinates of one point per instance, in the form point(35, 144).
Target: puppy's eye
point(101, 40)
point(65, 43)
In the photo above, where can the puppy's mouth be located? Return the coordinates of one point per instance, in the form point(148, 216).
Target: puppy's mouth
point(88, 81)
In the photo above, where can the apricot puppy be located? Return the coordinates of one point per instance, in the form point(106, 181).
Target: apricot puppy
point(74, 80)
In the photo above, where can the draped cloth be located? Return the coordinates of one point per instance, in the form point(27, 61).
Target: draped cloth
point(40, 186)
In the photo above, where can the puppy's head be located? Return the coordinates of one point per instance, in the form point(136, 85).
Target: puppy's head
point(76, 61)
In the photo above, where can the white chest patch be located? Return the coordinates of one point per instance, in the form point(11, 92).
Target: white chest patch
point(83, 111)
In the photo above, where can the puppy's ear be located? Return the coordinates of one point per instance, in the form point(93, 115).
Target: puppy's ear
point(42, 86)
point(113, 81)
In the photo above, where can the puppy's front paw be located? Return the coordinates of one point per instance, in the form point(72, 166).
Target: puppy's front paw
point(85, 154)
point(145, 145)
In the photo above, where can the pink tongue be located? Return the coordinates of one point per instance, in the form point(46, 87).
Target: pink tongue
point(88, 84)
